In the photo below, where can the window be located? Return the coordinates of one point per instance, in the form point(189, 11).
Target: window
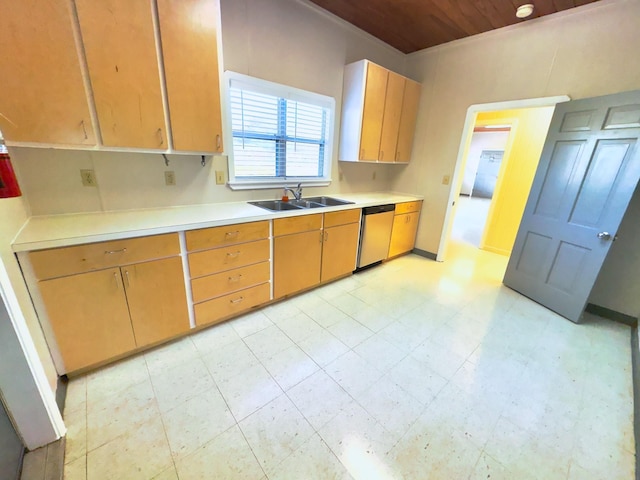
point(280, 134)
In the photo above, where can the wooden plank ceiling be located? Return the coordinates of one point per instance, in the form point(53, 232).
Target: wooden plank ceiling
point(411, 25)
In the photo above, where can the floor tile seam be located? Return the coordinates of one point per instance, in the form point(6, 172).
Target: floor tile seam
point(312, 430)
point(119, 392)
point(166, 437)
point(249, 444)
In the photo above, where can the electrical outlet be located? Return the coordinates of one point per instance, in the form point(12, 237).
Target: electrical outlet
point(169, 177)
point(88, 178)
point(219, 177)
point(446, 179)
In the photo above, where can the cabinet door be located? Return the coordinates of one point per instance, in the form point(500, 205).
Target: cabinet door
point(89, 317)
point(403, 235)
point(188, 30)
point(339, 251)
point(157, 299)
point(43, 97)
point(119, 43)
point(373, 111)
point(296, 262)
point(391, 120)
point(407, 128)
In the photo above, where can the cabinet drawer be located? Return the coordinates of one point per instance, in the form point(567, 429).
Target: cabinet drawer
point(227, 258)
point(408, 207)
point(219, 308)
point(227, 235)
point(59, 262)
point(344, 217)
point(213, 286)
point(305, 223)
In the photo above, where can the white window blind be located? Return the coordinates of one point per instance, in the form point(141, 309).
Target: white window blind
point(279, 133)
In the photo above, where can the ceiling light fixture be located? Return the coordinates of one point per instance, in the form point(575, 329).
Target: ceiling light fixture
point(524, 11)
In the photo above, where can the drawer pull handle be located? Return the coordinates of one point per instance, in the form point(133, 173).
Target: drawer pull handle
point(233, 254)
point(237, 300)
point(218, 144)
point(232, 234)
point(235, 279)
point(111, 252)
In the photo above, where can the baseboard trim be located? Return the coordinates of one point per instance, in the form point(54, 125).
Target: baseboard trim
point(635, 373)
point(612, 315)
point(424, 253)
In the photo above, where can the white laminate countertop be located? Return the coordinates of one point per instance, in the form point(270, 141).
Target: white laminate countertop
point(51, 231)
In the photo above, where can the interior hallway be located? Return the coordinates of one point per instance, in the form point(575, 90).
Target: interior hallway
point(470, 219)
point(413, 369)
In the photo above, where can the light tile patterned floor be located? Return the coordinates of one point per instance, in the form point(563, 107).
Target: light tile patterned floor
point(411, 370)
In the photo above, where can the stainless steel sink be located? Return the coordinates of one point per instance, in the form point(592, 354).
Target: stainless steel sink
point(328, 201)
point(311, 202)
point(305, 203)
point(276, 205)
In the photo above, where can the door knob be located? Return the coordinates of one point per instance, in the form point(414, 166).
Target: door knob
point(604, 236)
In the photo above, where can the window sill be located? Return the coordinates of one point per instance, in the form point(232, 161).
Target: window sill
point(270, 184)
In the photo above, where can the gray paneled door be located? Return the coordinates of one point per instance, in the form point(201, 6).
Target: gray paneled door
point(11, 448)
point(588, 170)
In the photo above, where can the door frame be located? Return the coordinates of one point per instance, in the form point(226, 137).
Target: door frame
point(467, 131)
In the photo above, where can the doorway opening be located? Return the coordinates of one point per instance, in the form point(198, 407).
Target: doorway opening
point(527, 122)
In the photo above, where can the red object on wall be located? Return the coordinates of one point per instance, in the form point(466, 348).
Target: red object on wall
point(8, 183)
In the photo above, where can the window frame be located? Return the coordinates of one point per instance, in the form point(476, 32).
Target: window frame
point(289, 93)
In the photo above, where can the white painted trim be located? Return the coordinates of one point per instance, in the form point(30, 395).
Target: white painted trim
point(101, 148)
point(186, 271)
point(56, 428)
point(469, 123)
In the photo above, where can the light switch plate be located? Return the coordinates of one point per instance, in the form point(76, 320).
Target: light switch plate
point(446, 179)
point(219, 177)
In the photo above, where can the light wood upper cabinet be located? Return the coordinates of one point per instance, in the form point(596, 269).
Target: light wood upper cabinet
point(120, 48)
point(188, 30)
point(378, 114)
point(157, 299)
point(373, 111)
point(407, 127)
point(391, 123)
point(89, 317)
point(43, 98)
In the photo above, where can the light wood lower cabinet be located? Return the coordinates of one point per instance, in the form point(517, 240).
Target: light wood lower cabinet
point(405, 227)
point(98, 315)
point(340, 244)
point(230, 271)
point(314, 249)
point(296, 262)
point(157, 300)
point(89, 316)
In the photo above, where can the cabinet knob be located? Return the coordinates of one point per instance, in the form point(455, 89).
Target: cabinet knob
point(160, 137)
point(218, 143)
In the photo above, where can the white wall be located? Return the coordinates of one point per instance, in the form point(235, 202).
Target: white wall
point(480, 141)
point(617, 287)
point(285, 41)
point(583, 52)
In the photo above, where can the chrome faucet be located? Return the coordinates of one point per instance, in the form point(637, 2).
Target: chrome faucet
point(297, 193)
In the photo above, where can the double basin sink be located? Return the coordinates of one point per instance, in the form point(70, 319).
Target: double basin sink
point(311, 202)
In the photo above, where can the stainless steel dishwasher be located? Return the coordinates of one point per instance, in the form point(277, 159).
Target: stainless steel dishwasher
point(375, 234)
